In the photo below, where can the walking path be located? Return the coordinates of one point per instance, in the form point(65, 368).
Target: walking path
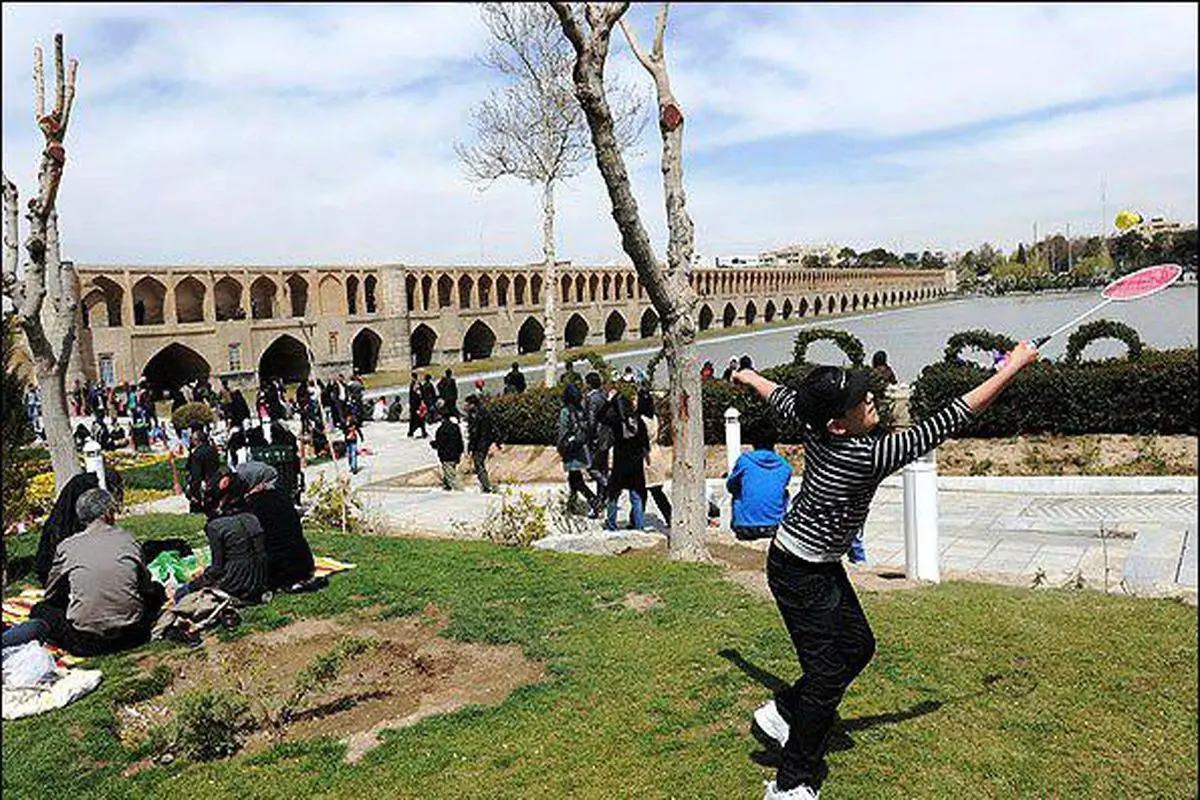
point(1132, 534)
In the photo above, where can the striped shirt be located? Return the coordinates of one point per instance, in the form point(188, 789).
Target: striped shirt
point(841, 474)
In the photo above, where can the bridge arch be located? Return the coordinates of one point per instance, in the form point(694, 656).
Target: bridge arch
point(227, 296)
point(564, 294)
point(365, 351)
point(751, 313)
point(484, 288)
point(729, 316)
point(420, 345)
point(535, 290)
point(519, 290)
point(148, 300)
point(370, 298)
point(580, 284)
point(629, 287)
point(410, 292)
point(298, 289)
point(531, 337)
point(478, 342)
point(285, 358)
point(769, 311)
point(173, 366)
point(706, 317)
point(445, 291)
point(111, 294)
point(502, 285)
point(262, 298)
point(614, 327)
point(593, 288)
point(329, 293)
point(465, 285)
point(787, 308)
point(189, 300)
point(351, 295)
point(649, 323)
point(817, 305)
point(576, 331)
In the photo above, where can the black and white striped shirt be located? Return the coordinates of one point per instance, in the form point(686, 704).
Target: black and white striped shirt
point(841, 474)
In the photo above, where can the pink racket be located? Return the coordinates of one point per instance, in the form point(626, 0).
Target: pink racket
point(1133, 286)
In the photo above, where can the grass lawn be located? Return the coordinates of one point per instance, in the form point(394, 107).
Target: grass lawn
point(976, 690)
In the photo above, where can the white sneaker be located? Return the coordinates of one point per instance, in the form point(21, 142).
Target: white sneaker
point(800, 792)
point(772, 723)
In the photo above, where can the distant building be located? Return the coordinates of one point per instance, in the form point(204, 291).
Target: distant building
point(1161, 225)
point(738, 261)
point(794, 255)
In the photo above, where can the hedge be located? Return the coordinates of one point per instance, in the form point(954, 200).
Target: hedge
point(1156, 394)
point(1103, 329)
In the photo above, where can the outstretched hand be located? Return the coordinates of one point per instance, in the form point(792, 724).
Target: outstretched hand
point(1021, 356)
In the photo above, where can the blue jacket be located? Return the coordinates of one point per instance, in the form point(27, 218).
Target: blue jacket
point(758, 484)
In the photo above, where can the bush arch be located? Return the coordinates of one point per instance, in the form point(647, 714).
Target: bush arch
point(984, 340)
point(1102, 329)
point(848, 343)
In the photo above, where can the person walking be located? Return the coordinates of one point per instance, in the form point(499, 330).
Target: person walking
point(514, 381)
point(656, 459)
point(572, 447)
point(727, 375)
point(353, 436)
point(448, 443)
point(631, 449)
point(481, 435)
point(417, 410)
point(447, 391)
point(843, 466)
point(599, 435)
point(429, 396)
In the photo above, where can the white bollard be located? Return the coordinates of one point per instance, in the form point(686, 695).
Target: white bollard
point(93, 461)
point(733, 437)
point(921, 519)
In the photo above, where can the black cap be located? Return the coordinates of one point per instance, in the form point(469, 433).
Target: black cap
point(829, 392)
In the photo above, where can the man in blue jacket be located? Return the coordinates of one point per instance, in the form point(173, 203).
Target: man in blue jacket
point(758, 485)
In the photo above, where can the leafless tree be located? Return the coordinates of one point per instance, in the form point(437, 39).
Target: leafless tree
point(49, 327)
point(667, 285)
point(533, 129)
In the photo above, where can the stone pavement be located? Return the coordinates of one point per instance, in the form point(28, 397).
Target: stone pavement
point(1132, 534)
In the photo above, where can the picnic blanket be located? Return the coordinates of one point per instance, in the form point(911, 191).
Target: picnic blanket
point(16, 610)
point(183, 568)
point(68, 684)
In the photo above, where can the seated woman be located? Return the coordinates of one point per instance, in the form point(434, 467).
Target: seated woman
point(236, 544)
point(289, 558)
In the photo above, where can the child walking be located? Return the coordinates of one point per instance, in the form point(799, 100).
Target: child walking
point(843, 465)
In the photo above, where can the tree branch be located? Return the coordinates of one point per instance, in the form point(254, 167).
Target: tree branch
point(570, 25)
point(71, 73)
point(660, 30)
point(60, 82)
point(39, 85)
point(640, 54)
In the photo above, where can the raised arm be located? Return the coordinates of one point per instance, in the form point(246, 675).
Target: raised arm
point(983, 395)
point(758, 383)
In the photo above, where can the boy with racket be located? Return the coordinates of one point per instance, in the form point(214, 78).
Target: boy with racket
point(844, 463)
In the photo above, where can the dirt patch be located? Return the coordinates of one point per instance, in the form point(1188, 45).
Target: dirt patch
point(1100, 454)
point(409, 673)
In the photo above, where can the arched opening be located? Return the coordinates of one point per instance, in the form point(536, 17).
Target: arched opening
point(580, 285)
point(564, 292)
point(148, 296)
point(614, 327)
point(817, 307)
point(629, 290)
point(92, 303)
point(831, 305)
point(787, 309)
point(576, 332)
point(485, 291)
point(262, 298)
point(410, 292)
point(286, 359)
point(426, 293)
point(535, 290)
point(729, 316)
point(445, 289)
point(593, 287)
point(352, 295)
point(502, 290)
point(606, 288)
point(751, 313)
point(531, 336)
point(330, 293)
point(365, 350)
point(173, 366)
point(844, 304)
point(465, 285)
point(298, 289)
point(706, 317)
point(769, 311)
point(189, 300)
point(649, 323)
point(854, 303)
point(112, 295)
point(227, 296)
point(519, 290)
point(369, 300)
point(875, 300)
point(420, 345)
point(479, 342)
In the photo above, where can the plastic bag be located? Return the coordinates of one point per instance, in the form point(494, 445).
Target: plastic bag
point(169, 564)
point(28, 664)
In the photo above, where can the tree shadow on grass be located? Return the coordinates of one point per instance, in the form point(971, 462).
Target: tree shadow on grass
point(839, 737)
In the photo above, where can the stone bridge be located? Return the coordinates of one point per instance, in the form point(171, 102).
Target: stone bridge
point(170, 324)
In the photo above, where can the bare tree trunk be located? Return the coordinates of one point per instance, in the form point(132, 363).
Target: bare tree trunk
point(64, 461)
point(669, 290)
point(551, 288)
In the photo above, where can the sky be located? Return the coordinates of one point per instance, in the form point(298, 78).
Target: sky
point(307, 134)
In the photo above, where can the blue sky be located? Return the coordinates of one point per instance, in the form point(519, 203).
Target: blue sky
point(208, 133)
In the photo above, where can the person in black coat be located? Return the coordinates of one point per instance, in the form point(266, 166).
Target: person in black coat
point(64, 520)
point(416, 417)
point(236, 544)
point(289, 558)
point(448, 443)
point(630, 450)
point(481, 435)
point(203, 463)
point(447, 391)
point(430, 396)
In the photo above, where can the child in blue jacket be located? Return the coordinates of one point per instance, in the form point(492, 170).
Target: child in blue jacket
point(758, 485)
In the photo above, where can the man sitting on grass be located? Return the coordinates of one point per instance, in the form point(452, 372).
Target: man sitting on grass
point(758, 486)
point(844, 463)
point(100, 597)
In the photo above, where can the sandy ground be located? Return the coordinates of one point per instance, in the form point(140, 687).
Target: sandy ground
point(1106, 454)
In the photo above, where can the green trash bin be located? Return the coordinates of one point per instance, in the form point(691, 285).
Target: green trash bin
point(139, 432)
point(285, 458)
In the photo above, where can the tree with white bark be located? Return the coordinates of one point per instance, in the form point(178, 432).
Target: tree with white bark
point(668, 284)
point(46, 297)
point(533, 128)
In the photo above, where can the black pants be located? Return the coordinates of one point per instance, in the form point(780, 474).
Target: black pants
point(660, 500)
point(834, 643)
point(577, 485)
point(415, 422)
point(479, 460)
point(84, 643)
point(598, 472)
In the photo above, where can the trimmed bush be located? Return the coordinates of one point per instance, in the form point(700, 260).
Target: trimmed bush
point(190, 414)
point(848, 343)
point(1102, 329)
point(978, 338)
point(1157, 394)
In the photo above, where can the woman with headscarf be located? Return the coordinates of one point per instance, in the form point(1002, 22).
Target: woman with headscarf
point(656, 461)
point(289, 558)
point(64, 521)
point(236, 545)
point(572, 446)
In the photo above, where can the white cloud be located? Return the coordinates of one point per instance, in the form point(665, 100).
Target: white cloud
point(276, 134)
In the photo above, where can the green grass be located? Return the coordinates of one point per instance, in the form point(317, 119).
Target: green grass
point(976, 691)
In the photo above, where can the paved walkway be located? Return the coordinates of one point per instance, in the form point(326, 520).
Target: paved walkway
point(1132, 534)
